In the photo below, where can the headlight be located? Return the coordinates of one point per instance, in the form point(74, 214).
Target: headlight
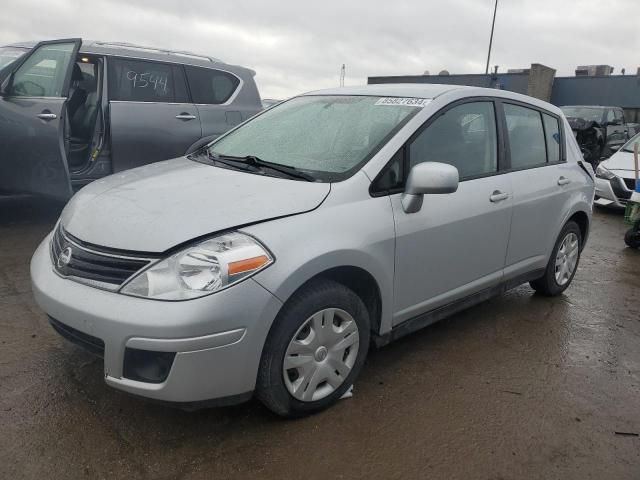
point(602, 172)
point(201, 269)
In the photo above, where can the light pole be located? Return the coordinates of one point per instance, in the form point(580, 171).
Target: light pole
point(493, 24)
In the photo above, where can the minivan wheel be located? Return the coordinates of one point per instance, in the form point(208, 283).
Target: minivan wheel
point(314, 351)
point(563, 262)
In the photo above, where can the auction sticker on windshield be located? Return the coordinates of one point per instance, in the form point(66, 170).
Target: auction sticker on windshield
point(408, 102)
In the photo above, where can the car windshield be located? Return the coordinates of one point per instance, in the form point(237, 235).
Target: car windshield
point(587, 113)
point(628, 147)
point(326, 136)
point(10, 54)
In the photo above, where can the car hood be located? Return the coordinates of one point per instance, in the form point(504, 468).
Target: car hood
point(620, 161)
point(153, 208)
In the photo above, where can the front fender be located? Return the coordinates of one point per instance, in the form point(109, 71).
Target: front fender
point(356, 234)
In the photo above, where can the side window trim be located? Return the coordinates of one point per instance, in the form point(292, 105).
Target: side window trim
point(504, 152)
point(501, 157)
point(544, 135)
point(183, 68)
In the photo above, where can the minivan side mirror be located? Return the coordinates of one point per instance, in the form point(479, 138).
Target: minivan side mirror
point(428, 178)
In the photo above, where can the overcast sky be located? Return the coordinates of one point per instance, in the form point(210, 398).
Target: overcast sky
point(297, 46)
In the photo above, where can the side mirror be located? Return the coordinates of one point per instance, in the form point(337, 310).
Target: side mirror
point(428, 178)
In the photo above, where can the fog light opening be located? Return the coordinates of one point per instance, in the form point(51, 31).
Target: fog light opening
point(146, 365)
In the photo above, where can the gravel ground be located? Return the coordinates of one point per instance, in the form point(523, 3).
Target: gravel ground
point(519, 387)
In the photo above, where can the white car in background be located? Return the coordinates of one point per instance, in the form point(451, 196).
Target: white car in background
point(615, 177)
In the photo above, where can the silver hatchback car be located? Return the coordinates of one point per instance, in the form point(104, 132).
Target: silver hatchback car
point(270, 260)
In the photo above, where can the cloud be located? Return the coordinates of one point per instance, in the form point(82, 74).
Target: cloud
point(297, 46)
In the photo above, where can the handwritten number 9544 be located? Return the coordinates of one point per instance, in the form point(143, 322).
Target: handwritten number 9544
point(148, 80)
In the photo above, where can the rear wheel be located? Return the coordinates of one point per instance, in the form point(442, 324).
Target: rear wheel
point(563, 263)
point(315, 350)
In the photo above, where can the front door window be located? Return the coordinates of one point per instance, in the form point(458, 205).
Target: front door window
point(464, 136)
point(43, 73)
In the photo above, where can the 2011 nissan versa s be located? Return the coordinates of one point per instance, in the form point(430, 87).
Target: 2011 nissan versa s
point(269, 261)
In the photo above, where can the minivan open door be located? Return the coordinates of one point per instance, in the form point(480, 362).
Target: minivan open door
point(33, 98)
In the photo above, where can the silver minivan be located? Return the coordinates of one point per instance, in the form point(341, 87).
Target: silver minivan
point(73, 111)
point(269, 261)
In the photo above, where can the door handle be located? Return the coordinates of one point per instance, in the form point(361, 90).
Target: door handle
point(563, 181)
point(498, 196)
point(47, 116)
point(185, 116)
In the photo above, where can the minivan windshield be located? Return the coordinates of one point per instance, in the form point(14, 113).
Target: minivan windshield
point(326, 136)
point(10, 54)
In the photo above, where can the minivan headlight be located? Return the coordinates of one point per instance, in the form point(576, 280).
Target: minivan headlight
point(201, 269)
point(602, 172)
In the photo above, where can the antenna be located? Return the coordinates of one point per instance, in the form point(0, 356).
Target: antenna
point(342, 74)
point(493, 24)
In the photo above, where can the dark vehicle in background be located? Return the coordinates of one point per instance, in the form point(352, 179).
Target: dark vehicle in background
point(599, 131)
point(72, 111)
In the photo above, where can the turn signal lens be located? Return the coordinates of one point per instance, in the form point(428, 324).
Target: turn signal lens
point(248, 265)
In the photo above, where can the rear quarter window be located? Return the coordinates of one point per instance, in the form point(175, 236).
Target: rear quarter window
point(552, 135)
point(142, 81)
point(210, 86)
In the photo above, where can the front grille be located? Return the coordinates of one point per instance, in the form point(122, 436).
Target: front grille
point(630, 183)
point(91, 264)
point(619, 189)
point(88, 342)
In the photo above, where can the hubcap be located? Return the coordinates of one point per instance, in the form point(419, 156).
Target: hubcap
point(321, 354)
point(566, 258)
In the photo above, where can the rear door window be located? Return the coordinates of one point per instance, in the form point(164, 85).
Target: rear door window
point(526, 137)
point(209, 86)
point(142, 81)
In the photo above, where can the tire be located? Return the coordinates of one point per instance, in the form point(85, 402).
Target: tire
point(632, 238)
point(297, 322)
point(549, 284)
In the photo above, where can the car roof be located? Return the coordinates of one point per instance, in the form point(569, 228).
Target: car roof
point(432, 91)
point(420, 90)
point(589, 106)
point(141, 52)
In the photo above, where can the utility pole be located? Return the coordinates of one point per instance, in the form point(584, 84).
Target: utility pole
point(493, 24)
point(342, 74)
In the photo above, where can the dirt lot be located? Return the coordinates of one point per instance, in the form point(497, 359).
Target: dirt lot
point(520, 387)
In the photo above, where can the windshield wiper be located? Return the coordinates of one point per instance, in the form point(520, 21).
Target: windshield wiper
point(259, 164)
point(231, 162)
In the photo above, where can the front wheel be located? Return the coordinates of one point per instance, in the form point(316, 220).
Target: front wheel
point(315, 350)
point(563, 263)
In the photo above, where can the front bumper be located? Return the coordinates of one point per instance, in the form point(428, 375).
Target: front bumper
point(217, 339)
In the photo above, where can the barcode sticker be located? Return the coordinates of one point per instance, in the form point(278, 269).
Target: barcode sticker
point(402, 101)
